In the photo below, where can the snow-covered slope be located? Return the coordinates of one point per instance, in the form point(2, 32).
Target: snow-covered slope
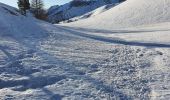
point(15, 24)
point(90, 14)
point(128, 14)
point(40, 61)
point(75, 8)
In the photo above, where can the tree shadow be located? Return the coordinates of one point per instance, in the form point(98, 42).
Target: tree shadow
point(114, 31)
point(3, 49)
point(52, 95)
point(115, 40)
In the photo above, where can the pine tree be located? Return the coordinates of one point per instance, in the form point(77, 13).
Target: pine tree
point(122, 0)
point(23, 6)
point(108, 1)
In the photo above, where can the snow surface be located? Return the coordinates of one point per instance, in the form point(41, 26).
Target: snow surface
point(41, 61)
point(128, 14)
point(67, 11)
point(90, 14)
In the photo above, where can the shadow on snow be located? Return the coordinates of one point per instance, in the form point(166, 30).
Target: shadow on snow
point(115, 40)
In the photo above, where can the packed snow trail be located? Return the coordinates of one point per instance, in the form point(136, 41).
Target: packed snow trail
point(68, 65)
point(82, 70)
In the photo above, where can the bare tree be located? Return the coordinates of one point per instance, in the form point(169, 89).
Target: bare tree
point(37, 8)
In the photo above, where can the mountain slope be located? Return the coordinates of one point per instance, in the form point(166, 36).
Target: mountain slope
point(75, 8)
point(128, 14)
point(90, 14)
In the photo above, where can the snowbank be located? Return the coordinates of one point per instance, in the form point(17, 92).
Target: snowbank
point(128, 14)
point(15, 24)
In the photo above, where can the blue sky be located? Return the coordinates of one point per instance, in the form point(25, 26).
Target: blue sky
point(48, 3)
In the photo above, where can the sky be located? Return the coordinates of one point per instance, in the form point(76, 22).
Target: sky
point(47, 3)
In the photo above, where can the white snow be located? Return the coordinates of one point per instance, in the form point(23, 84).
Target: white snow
point(67, 11)
point(91, 14)
point(128, 14)
point(41, 61)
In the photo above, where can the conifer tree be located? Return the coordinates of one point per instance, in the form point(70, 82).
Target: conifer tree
point(23, 6)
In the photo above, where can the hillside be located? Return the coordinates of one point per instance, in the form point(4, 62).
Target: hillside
point(42, 61)
point(17, 25)
point(75, 8)
point(128, 14)
point(90, 14)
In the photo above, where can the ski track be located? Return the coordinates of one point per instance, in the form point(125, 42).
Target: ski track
point(66, 66)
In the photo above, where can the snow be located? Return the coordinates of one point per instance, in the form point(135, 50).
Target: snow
point(129, 14)
point(65, 12)
point(41, 61)
point(91, 14)
point(155, 33)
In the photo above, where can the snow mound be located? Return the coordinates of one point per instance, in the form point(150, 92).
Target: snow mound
point(8, 9)
point(16, 25)
point(128, 14)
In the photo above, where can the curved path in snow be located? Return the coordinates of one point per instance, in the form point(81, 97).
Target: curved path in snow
point(69, 64)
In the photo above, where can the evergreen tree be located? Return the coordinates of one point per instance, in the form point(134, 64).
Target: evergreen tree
point(23, 6)
point(108, 1)
point(122, 0)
